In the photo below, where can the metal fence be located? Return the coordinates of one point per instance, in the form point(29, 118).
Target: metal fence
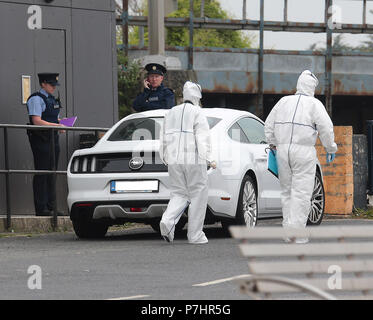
point(191, 22)
point(7, 171)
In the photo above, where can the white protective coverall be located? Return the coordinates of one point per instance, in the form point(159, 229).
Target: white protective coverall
point(185, 147)
point(293, 126)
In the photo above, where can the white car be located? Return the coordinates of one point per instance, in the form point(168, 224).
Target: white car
point(122, 178)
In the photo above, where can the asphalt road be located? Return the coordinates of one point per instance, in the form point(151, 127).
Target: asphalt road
point(127, 264)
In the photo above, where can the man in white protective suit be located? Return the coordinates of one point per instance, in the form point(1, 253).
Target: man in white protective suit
point(292, 128)
point(185, 146)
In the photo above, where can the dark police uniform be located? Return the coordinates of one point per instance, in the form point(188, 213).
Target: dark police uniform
point(48, 108)
point(152, 99)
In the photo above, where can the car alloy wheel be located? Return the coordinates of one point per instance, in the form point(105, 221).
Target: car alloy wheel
point(249, 204)
point(317, 202)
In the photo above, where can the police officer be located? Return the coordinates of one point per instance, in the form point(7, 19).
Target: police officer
point(43, 109)
point(155, 95)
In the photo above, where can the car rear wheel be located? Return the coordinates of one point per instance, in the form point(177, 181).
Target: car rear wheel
point(247, 210)
point(317, 202)
point(89, 229)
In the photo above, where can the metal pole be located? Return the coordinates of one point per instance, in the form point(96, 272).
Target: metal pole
point(141, 37)
point(328, 59)
point(259, 111)
point(7, 184)
point(156, 28)
point(191, 17)
point(54, 179)
point(202, 8)
point(286, 11)
point(364, 12)
point(125, 27)
point(244, 10)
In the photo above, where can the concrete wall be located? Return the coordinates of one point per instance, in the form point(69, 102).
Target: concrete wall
point(78, 41)
point(338, 175)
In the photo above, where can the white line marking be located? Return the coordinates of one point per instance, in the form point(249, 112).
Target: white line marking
point(204, 284)
point(129, 298)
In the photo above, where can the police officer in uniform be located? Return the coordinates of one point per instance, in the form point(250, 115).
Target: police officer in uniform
point(155, 95)
point(43, 109)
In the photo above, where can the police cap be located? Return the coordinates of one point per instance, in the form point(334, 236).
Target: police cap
point(155, 68)
point(51, 78)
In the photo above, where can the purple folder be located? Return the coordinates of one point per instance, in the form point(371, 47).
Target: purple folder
point(68, 122)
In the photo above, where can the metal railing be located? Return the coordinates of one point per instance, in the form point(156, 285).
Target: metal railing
point(8, 172)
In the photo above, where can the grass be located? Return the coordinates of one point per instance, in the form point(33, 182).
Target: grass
point(363, 213)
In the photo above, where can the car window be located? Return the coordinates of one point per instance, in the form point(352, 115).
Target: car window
point(253, 129)
point(138, 129)
point(236, 134)
point(145, 129)
point(213, 121)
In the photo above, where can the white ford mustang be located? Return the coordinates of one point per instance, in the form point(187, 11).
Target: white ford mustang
point(122, 178)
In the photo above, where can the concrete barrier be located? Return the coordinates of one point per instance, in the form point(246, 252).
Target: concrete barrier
point(35, 224)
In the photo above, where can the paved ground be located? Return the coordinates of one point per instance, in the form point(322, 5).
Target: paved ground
point(133, 263)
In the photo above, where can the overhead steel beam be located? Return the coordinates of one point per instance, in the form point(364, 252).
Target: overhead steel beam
point(233, 24)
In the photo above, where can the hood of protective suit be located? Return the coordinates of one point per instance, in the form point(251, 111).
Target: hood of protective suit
point(307, 83)
point(192, 92)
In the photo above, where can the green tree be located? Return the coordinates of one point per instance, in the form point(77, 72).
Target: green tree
point(179, 36)
point(206, 37)
point(128, 83)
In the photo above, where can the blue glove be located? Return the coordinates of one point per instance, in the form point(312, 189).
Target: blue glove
point(330, 157)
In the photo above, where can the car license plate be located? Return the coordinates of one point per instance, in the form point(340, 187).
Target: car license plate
point(134, 186)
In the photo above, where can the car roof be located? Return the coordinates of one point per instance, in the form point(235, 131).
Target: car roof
point(222, 113)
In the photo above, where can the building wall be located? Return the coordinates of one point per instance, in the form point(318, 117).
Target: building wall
point(78, 41)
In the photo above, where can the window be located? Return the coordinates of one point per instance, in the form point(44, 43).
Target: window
point(145, 129)
point(236, 134)
point(213, 121)
point(138, 129)
point(253, 129)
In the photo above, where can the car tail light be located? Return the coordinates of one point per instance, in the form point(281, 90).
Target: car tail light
point(84, 204)
point(75, 165)
point(136, 209)
point(83, 164)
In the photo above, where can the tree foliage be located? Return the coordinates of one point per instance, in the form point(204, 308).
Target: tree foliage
point(179, 36)
point(206, 37)
point(129, 84)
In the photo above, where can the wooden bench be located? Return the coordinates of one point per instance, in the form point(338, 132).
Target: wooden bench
point(337, 263)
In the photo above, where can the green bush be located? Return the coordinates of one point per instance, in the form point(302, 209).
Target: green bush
point(129, 84)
